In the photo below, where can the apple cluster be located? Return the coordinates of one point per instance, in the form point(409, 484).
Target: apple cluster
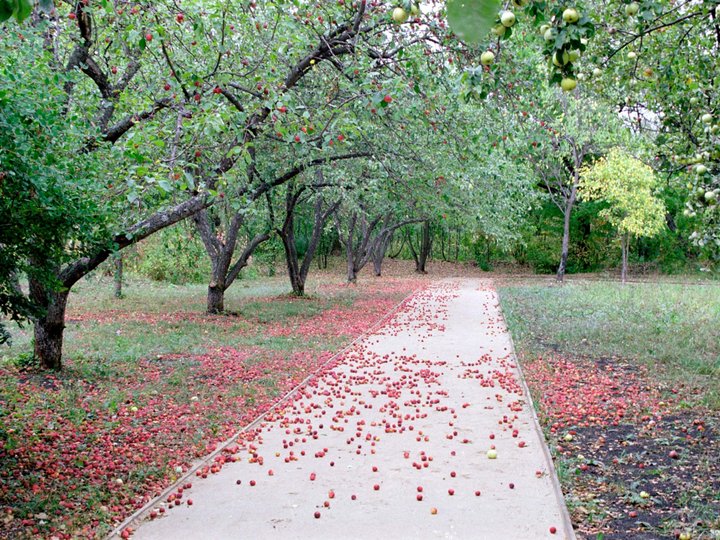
point(402, 13)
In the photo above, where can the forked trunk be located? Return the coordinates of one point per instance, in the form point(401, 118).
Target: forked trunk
point(380, 251)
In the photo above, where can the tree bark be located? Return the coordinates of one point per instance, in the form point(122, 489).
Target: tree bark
point(380, 251)
point(287, 235)
point(349, 252)
point(118, 276)
point(560, 277)
point(48, 328)
point(223, 274)
point(625, 246)
point(413, 252)
point(321, 218)
point(298, 271)
point(361, 246)
point(216, 298)
point(425, 247)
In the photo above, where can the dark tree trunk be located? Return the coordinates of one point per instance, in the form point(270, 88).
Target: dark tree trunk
point(216, 298)
point(49, 327)
point(413, 252)
point(457, 245)
point(380, 251)
point(323, 252)
point(564, 250)
point(224, 272)
point(566, 235)
point(377, 266)
point(298, 271)
point(351, 273)
point(442, 245)
point(349, 252)
point(287, 235)
point(291, 260)
point(219, 253)
point(360, 247)
point(425, 247)
point(118, 276)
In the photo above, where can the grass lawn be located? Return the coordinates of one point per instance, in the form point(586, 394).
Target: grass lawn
point(151, 384)
point(627, 383)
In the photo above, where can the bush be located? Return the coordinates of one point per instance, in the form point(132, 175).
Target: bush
point(174, 255)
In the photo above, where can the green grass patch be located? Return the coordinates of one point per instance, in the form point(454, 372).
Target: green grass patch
point(673, 328)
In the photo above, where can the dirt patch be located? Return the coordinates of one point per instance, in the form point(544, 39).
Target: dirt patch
point(651, 472)
point(675, 460)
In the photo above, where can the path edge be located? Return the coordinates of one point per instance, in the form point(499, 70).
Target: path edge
point(140, 514)
point(557, 488)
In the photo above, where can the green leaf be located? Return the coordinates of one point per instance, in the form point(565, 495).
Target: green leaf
point(6, 10)
point(471, 20)
point(23, 9)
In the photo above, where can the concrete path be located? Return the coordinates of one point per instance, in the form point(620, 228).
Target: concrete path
point(392, 442)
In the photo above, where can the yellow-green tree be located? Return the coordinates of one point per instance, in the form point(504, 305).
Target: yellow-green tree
point(628, 186)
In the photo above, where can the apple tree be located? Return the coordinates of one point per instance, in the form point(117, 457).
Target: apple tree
point(116, 144)
point(655, 60)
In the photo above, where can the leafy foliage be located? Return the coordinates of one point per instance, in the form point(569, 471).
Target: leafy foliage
point(50, 200)
point(627, 186)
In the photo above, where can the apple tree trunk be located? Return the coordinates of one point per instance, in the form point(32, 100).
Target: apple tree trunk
point(380, 250)
point(48, 328)
point(562, 268)
point(118, 276)
point(298, 271)
point(425, 247)
point(215, 298)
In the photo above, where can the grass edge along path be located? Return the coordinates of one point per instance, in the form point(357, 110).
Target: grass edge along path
point(638, 454)
point(51, 493)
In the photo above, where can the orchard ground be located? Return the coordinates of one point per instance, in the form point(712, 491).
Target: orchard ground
point(152, 385)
